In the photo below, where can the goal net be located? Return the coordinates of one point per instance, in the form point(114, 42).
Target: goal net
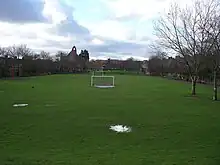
point(103, 81)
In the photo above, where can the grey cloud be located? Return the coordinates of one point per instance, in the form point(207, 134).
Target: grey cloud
point(113, 46)
point(120, 48)
point(52, 43)
point(110, 48)
point(71, 27)
point(21, 11)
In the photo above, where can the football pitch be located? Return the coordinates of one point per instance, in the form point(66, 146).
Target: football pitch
point(67, 122)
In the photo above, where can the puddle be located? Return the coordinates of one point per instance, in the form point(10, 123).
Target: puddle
point(120, 128)
point(20, 105)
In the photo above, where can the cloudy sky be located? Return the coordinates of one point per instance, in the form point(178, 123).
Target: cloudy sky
point(107, 28)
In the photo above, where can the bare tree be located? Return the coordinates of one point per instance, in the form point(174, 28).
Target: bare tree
point(214, 54)
point(12, 51)
point(60, 54)
point(36, 56)
point(3, 52)
point(158, 59)
point(23, 51)
point(154, 65)
point(45, 55)
point(215, 59)
point(184, 30)
point(19, 51)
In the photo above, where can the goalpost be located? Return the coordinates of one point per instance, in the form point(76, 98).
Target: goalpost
point(99, 80)
point(103, 81)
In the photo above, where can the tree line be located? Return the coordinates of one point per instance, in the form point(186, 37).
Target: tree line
point(191, 33)
point(19, 60)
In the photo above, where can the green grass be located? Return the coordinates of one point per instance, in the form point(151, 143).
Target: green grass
point(168, 126)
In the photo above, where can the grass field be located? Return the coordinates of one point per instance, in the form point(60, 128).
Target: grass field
point(67, 122)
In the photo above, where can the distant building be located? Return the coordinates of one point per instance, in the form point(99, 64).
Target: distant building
point(72, 62)
point(72, 56)
point(10, 67)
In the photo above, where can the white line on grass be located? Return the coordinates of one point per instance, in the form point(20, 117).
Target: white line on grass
point(50, 105)
point(20, 105)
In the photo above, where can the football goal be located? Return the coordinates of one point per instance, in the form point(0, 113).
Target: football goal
point(103, 81)
point(99, 80)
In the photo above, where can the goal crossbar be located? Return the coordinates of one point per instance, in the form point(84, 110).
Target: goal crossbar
point(104, 76)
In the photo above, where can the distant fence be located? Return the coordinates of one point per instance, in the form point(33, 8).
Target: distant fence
point(120, 72)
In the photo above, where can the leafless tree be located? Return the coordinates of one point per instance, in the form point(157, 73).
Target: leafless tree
point(45, 55)
point(215, 60)
point(3, 52)
point(12, 51)
point(19, 51)
point(214, 54)
point(158, 59)
point(59, 55)
point(23, 51)
point(36, 56)
point(184, 30)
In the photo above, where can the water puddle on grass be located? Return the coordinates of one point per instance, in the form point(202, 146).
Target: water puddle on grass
point(20, 105)
point(120, 128)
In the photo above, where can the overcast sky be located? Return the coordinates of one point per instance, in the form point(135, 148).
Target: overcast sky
point(107, 28)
